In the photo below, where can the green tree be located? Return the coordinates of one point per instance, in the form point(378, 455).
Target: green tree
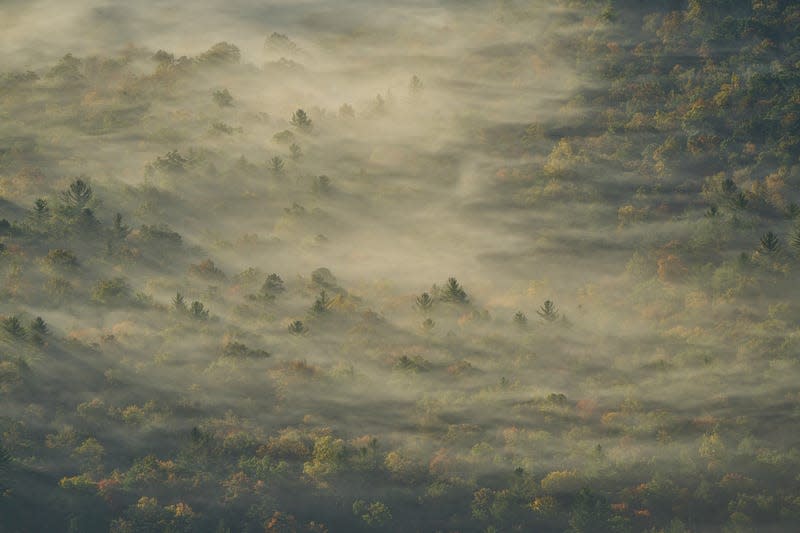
point(375, 514)
point(39, 326)
point(119, 231)
point(223, 98)
point(198, 311)
point(41, 211)
point(548, 311)
point(770, 244)
point(13, 326)
point(323, 277)
point(61, 258)
point(221, 53)
point(321, 185)
point(239, 350)
point(68, 68)
point(39, 330)
point(179, 303)
point(321, 304)
point(520, 319)
point(114, 291)
point(160, 235)
point(796, 239)
point(280, 43)
point(171, 163)
point(284, 137)
point(424, 302)
point(273, 285)
point(276, 165)
point(86, 221)
point(327, 458)
point(77, 194)
point(590, 513)
point(453, 292)
point(296, 153)
point(297, 328)
point(301, 121)
point(739, 201)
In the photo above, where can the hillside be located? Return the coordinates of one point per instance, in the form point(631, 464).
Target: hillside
point(400, 266)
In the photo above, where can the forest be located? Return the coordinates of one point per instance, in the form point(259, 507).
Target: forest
point(416, 266)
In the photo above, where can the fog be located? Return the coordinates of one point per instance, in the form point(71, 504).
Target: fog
point(601, 311)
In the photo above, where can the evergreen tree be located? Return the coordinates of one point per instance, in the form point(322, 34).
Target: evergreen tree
point(120, 231)
point(86, 221)
point(39, 326)
point(548, 311)
point(179, 303)
point(198, 311)
point(77, 195)
point(591, 513)
point(39, 330)
point(321, 185)
point(41, 211)
point(453, 292)
point(321, 304)
point(424, 302)
point(770, 244)
point(297, 328)
point(796, 239)
point(276, 165)
point(296, 152)
point(13, 327)
point(223, 98)
point(301, 121)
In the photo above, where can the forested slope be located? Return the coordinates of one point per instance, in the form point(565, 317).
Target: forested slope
point(525, 267)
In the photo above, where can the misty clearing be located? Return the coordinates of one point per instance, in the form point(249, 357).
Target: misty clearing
point(415, 266)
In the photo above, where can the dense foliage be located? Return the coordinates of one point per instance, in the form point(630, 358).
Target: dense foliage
point(580, 317)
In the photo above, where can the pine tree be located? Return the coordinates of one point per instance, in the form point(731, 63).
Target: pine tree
point(39, 326)
point(198, 311)
point(179, 303)
point(796, 239)
point(223, 98)
point(276, 165)
point(41, 211)
point(39, 330)
point(453, 292)
point(120, 230)
point(520, 319)
point(296, 152)
point(740, 201)
point(424, 302)
point(321, 304)
point(13, 327)
point(548, 311)
point(301, 121)
point(770, 244)
point(77, 195)
point(297, 328)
